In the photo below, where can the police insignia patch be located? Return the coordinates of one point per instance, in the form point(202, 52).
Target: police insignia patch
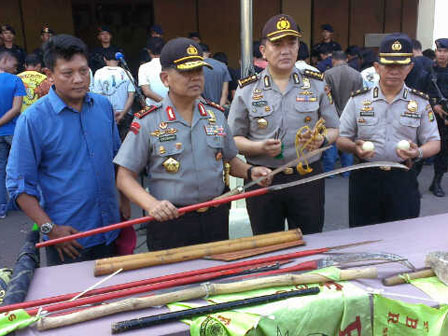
point(430, 113)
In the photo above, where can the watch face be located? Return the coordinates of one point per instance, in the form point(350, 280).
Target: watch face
point(46, 228)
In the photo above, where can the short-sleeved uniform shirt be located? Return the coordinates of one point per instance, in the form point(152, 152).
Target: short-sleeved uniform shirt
point(162, 140)
point(368, 116)
point(260, 111)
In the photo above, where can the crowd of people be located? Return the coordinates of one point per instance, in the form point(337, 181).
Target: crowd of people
point(69, 137)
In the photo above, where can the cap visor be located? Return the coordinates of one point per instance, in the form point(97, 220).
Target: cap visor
point(192, 65)
point(395, 60)
point(280, 35)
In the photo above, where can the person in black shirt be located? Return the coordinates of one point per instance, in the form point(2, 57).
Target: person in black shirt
point(96, 59)
point(8, 35)
point(327, 40)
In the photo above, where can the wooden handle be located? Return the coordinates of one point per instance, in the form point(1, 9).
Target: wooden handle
point(130, 304)
point(401, 279)
point(110, 265)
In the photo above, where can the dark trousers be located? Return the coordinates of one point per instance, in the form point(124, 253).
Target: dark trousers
point(190, 229)
point(378, 196)
point(441, 159)
point(302, 206)
point(90, 253)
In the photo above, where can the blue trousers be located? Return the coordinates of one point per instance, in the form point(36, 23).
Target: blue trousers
point(331, 155)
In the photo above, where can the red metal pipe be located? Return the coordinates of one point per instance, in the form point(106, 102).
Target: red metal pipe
point(136, 290)
point(131, 222)
point(164, 278)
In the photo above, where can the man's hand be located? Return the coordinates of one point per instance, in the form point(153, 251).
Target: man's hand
point(362, 154)
point(69, 248)
point(271, 147)
point(411, 153)
point(118, 115)
point(163, 210)
point(315, 144)
point(258, 172)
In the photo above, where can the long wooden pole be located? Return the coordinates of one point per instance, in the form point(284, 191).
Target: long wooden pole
point(110, 265)
point(205, 290)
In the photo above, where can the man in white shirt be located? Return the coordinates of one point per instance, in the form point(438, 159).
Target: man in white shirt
point(149, 74)
point(113, 82)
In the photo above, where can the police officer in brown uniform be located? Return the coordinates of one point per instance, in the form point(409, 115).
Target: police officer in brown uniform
point(184, 143)
point(267, 111)
point(385, 115)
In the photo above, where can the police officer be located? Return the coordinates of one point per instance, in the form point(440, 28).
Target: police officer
point(184, 143)
point(267, 111)
point(45, 34)
point(384, 115)
point(440, 71)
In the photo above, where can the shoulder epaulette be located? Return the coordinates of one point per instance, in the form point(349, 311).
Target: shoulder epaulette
point(211, 103)
point(360, 91)
point(419, 93)
point(147, 110)
point(245, 81)
point(314, 74)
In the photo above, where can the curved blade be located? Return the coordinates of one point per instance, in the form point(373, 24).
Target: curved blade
point(339, 259)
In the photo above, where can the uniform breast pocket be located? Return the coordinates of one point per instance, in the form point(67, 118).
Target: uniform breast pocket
point(215, 142)
point(307, 106)
point(261, 119)
point(166, 149)
point(410, 122)
point(367, 127)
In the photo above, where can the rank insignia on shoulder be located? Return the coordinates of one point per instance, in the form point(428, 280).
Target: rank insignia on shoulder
point(420, 94)
point(361, 91)
point(213, 104)
point(147, 110)
point(314, 74)
point(248, 80)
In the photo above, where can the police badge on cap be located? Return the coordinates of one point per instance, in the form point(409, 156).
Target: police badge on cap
point(396, 48)
point(280, 26)
point(182, 54)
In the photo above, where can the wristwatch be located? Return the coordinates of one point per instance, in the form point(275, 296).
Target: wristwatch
point(47, 227)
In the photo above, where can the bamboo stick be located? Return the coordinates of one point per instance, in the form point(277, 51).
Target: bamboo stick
point(110, 265)
point(204, 290)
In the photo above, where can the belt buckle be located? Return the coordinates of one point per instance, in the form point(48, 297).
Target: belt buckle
point(288, 171)
point(385, 168)
point(201, 210)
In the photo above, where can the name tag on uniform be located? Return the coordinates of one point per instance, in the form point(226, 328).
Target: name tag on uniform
point(412, 115)
point(260, 103)
point(167, 137)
